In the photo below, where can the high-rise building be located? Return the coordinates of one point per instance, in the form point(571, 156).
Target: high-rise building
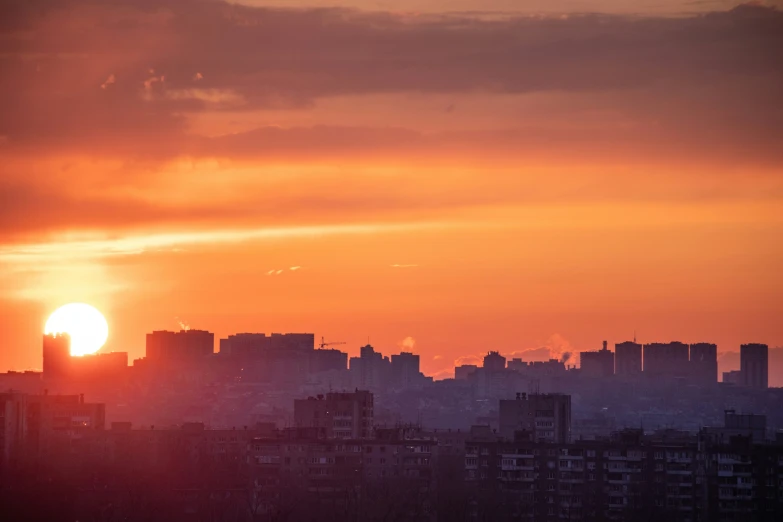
point(163, 346)
point(494, 362)
point(537, 417)
point(405, 369)
point(754, 365)
point(666, 359)
point(371, 370)
point(704, 363)
point(249, 344)
point(339, 415)
point(328, 360)
point(628, 359)
point(597, 364)
point(56, 356)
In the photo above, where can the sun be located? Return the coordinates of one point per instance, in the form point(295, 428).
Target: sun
point(85, 325)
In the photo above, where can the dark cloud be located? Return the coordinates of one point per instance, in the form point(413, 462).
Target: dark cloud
point(719, 69)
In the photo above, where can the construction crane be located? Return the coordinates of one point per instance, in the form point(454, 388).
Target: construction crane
point(324, 344)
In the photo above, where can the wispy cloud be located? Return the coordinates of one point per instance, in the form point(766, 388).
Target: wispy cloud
point(74, 248)
point(110, 80)
point(403, 266)
point(278, 271)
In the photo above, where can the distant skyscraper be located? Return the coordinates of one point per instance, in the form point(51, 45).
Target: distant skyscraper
point(704, 363)
point(542, 417)
point(754, 365)
point(628, 359)
point(371, 370)
point(494, 362)
point(666, 359)
point(179, 346)
point(597, 364)
point(328, 360)
point(56, 356)
point(405, 369)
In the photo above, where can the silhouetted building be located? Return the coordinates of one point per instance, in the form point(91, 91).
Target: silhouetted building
point(250, 344)
point(516, 365)
point(628, 359)
point(598, 364)
point(732, 377)
point(536, 417)
point(405, 369)
point(494, 362)
point(371, 370)
point(462, 373)
point(339, 415)
point(326, 360)
point(754, 365)
point(56, 356)
point(704, 363)
point(185, 345)
point(666, 359)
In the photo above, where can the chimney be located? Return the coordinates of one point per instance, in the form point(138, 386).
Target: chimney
point(605, 345)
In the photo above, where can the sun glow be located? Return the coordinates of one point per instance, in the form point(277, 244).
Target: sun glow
point(85, 324)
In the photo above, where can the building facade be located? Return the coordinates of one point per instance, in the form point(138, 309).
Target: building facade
point(537, 417)
point(338, 415)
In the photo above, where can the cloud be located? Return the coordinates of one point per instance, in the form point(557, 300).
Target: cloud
point(407, 344)
point(532, 354)
point(101, 247)
point(477, 360)
point(403, 266)
point(713, 73)
point(279, 271)
point(437, 358)
point(110, 80)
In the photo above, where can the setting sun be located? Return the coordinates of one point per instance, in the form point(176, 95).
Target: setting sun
point(84, 323)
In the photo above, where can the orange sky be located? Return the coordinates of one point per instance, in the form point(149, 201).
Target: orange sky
point(473, 182)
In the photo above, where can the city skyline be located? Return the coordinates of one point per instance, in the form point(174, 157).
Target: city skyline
point(555, 347)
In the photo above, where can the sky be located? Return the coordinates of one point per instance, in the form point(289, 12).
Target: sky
point(447, 177)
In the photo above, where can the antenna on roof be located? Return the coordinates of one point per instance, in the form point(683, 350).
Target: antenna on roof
point(634, 335)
